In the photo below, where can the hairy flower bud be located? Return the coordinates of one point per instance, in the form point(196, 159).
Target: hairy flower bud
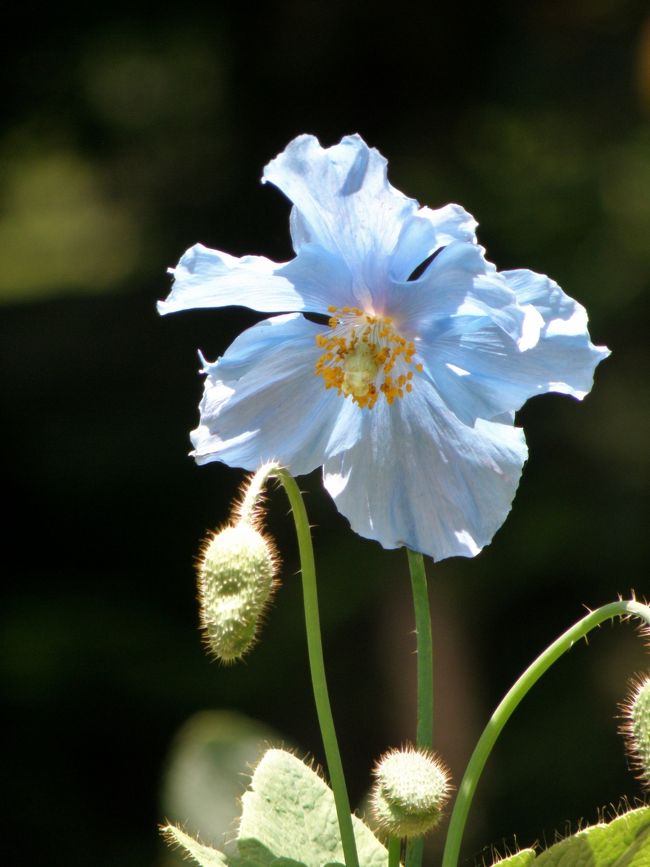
point(637, 727)
point(411, 788)
point(236, 577)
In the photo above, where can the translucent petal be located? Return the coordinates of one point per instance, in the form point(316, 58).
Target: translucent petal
point(263, 401)
point(209, 278)
point(460, 282)
point(343, 202)
point(481, 373)
point(427, 231)
point(419, 477)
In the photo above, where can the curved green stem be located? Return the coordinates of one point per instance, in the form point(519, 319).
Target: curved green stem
point(507, 706)
point(247, 509)
point(424, 643)
point(317, 668)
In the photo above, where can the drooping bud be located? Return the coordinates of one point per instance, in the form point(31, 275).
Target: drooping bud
point(236, 577)
point(410, 791)
point(637, 727)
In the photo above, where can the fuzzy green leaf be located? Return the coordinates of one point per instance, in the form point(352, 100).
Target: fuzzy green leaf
point(288, 820)
point(205, 856)
point(289, 814)
point(520, 859)
point(623, 842)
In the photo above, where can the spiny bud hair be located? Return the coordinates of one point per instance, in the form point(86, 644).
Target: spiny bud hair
point(636, 727)
point(410, 791)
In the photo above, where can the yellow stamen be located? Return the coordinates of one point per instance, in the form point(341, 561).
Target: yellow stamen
point(361, 351)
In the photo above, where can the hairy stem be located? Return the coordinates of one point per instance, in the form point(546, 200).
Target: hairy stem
point(317, 668)
point(509, 703)
point(247, 509)
point(424, 642)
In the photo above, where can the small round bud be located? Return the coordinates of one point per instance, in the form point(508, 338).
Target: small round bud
point(637, 727)
point(411, 788)
point(236, 577)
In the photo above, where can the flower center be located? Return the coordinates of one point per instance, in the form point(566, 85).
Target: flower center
point(365, 357)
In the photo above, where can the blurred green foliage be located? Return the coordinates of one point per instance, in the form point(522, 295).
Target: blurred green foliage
point(127, 135)
point(208, 769)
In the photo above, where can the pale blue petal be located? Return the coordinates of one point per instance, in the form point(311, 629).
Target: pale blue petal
point(427, 231)
point(263, 401)
point(564, 360)
point(481, 373)
point(243, 355)
point(419, 477)
point(446, 286)
point(545, 294)
point(299, 230)
point(322, 278)
point(461, 283)
point(343, 202)
point(209, 278)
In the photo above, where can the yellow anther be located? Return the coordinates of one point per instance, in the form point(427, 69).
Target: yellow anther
point(360, 352)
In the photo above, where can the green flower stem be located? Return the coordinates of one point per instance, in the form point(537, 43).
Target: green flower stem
point(424, 736)
point(424, 640)
point(414, 851)
point(394, 850)
point(507, 706)
point(317, 667)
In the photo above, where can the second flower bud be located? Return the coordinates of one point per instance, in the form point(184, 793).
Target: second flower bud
point(411, 788)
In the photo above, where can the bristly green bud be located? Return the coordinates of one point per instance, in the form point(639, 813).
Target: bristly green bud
point(636, 728)
point(410, 791)
point(236, 577)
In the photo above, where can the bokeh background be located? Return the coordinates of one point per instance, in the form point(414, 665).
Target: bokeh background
point(125, 137)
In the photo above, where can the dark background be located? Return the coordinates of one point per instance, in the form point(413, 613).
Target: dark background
point(125, 137)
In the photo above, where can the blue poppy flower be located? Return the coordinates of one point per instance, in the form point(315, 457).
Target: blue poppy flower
point(406, 394)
